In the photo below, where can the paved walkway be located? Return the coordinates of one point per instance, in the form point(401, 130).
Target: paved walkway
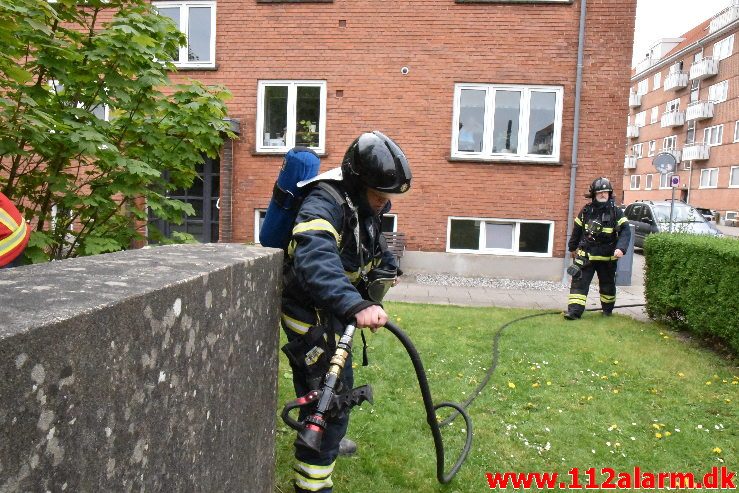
point(410, 290)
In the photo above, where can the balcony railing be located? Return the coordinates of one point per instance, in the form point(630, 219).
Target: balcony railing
point(675, 152)
point(697, 151)
point(634, 100)
point(703, 69)
point(724, 18)
point(699, 110)
point(675, 81)
point(632, 131)
point(630, 162)
point(672, 119)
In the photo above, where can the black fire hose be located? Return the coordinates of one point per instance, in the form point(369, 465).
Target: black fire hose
point(496, 355)
point(431, 410)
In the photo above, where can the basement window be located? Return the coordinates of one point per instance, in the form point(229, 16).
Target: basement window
point(500, 236)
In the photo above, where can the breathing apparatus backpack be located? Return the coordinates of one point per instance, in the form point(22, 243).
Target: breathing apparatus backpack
point(300, 167)
point(300, 164)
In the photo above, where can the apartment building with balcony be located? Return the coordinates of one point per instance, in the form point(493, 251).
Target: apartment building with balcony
point(481, 96)
point(686, 102)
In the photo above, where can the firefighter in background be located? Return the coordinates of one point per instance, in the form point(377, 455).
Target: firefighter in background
point(600, 237)
point(14, 233)
point(338, 269)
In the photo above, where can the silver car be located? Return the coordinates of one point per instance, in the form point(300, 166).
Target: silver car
point(651, 216)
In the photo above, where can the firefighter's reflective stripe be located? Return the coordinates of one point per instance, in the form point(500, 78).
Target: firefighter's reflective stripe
point(578, 299)
point(599, 257)
point(622, 221)
point(578, 221)
point(295, 325)
point(314, 225)
point(11, 242)
point(608, 231)
point(7, 221)
point(607, 298)
point(354, 276)
point(313, 478)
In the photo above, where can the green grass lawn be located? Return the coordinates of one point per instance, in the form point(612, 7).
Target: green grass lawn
point(599, 392)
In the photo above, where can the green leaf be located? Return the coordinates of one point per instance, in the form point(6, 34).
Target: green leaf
point(18, 74)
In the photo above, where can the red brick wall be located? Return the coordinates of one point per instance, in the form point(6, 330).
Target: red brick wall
point(442, 43)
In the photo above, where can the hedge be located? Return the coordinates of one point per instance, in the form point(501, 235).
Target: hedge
point(692, 283)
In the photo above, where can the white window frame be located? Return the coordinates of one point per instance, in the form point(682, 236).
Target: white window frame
point(736, 131)
point(292, 96)
point(635, 182)
point(638, 150)
point(733, 171)
point(672, 105)
point(514, 241)
point(652, 148)
point(394, 217)
point(664, 181)
point(640, 119)
point(717, 93)
point(669, 142)
point(184, 7)
point(654, 118)
point(712, 177)
point(648, 179)
point(642, 86)
point(724, 48)
point(714, 136)
point(257, 213)
point(657, 81)
point(523, 130)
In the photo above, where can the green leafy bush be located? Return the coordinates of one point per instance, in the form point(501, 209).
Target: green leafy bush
point(691, 284)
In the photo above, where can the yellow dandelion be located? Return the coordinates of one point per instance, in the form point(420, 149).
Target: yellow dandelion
point(665, 337)
point(615, 362)
point(658, 435)
point(617, 444)
point(460, 375)
point(717, 450)
point(549, 383)
point(511, 385)
point(667, 433)
point(708, 382)
point(681, 374)
point(728, 401)
point(614, 374)
point(536, 385)
point(615, 391)
point(656, 426)
point(604, 377)
point(590, 397)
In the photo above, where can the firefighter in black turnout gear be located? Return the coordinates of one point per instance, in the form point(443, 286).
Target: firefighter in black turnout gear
point(600, 237)
point(336, 257)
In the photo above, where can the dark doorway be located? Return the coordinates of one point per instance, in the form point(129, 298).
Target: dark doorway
point(203, 195)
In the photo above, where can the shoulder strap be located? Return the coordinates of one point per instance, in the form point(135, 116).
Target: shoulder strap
point(347, 219)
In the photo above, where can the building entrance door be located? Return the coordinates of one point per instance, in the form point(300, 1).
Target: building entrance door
point(203, 195)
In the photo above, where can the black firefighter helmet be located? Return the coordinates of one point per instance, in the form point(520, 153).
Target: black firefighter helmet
point(601, 184)
point(373, 160)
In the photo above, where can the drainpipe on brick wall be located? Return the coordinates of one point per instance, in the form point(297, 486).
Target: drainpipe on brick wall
point(575, 136)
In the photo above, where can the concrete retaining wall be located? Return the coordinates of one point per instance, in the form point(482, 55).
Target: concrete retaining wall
point(148, 370)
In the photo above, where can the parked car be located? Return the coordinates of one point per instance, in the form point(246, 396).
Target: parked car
point(709, 214)
point(651, 216)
